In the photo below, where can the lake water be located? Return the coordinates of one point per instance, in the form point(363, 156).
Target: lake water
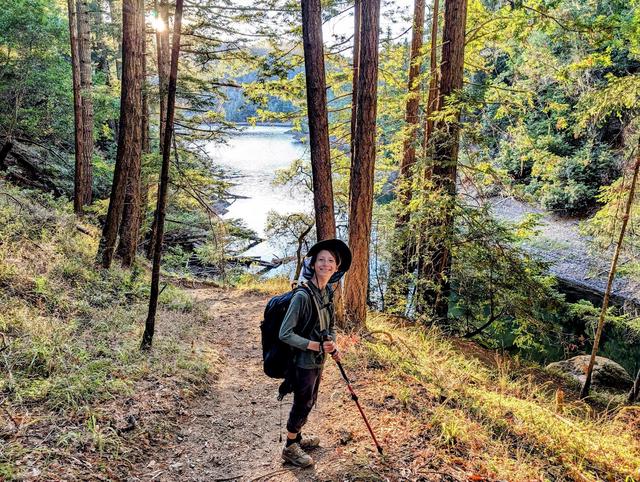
point(253, 156)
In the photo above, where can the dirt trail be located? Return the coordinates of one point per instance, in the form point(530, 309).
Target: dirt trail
point(232, 432)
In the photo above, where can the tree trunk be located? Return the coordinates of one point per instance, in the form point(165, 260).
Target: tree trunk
point(82, 181)
point(432, 102)
point(147, 337)
point(612, 273)
point(162, 51)
point(634, 394)
point(362, 170)
point(162, 48)
point(86, 73)
point(434, 284)
point(397, 291)
point(318, 119)
point(129, 139)
point(131, 214)
point(357, 31)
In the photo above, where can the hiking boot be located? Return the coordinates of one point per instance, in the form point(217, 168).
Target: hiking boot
point(309, 442)
point(296, 456)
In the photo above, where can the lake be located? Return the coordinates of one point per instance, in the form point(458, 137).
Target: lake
point(252, 156)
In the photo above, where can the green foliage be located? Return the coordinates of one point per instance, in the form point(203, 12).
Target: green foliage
point(35, 83)
point(554, 87)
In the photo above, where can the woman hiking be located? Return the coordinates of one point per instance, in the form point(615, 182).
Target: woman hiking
point(326, 263)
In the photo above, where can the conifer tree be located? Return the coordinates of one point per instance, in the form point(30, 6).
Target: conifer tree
point(362, 168)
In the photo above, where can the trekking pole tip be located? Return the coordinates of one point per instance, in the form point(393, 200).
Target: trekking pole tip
point(380, 450)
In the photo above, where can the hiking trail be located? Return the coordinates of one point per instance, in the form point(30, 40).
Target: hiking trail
point(231, 432)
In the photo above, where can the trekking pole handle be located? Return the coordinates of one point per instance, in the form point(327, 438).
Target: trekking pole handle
point(327, 337)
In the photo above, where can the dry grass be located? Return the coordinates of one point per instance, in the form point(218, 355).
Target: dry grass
point(78, 398)
point(493, 421)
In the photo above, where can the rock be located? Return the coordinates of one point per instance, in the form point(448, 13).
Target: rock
point(606, 373)
point(346, 436)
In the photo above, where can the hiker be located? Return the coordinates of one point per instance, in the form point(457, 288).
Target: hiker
point(326, 263)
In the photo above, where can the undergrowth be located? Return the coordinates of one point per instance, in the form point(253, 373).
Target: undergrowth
point(70, 334)
point(498, 420)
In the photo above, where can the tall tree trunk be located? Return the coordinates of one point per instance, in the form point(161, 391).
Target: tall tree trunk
point(86, 74)
point(318, 119)
point(433, 287)
point(129, 139)
point(362, 170)
point(147, 337)
point(131, 214)
point(357, 31)
point(398, 286)
point(83, 105)
point(163, 60)
point(612, 273)
point(432, 101)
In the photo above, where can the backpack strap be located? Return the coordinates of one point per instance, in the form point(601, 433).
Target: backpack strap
point(306, 331)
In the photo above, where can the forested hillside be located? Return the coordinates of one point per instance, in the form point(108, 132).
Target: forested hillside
point(166, 166)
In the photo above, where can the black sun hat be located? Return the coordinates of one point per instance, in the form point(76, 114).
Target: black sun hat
point(336, 246)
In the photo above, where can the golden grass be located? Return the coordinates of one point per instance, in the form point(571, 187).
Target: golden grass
point(505, 423)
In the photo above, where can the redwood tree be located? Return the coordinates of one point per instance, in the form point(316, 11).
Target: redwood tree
point(318, 119)
point(357, 14)
point(80, 43)
point(434, 286)
point(401, 263)
point(362, 167)
point(130, 130)
point(132, 209)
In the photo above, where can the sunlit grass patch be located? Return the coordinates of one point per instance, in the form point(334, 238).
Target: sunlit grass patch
point(256, 284)
point(509, 425)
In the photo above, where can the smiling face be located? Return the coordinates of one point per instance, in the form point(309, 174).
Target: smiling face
point(325, 265)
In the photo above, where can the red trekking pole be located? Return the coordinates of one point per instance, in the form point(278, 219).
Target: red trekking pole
point(354, 397)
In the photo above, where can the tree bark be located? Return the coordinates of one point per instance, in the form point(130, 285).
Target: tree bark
point(147, 337)
point(432, 101)
point(433, 288)
point(132, 209)
point(398, 286)
point(634, 394)
point(357, 16)
point(129, 139)
point(362, 169)
point(162, 48)
point(86, 74)
point(318, 119)
point(83, 146)
point(612, 273)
